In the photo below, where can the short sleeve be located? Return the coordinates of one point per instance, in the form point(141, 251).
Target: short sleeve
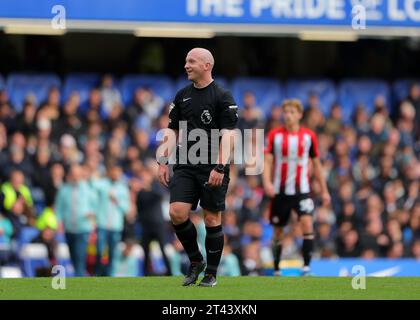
point(174, 114)
point(313, 151)
point(228, 112)
point(269, 142)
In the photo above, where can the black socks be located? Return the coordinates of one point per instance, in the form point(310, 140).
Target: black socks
point(214, 248)
point(276, 247)
point(187, 235)
point(307, 248)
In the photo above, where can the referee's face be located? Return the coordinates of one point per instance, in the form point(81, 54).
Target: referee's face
point(194, 66)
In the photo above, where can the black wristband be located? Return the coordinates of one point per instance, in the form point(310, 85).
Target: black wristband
point(220, 168)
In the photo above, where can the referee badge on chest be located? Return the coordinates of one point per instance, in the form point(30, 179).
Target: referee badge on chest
point(206, 116)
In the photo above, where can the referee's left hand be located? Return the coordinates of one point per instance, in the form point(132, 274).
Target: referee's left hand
point(215, 178)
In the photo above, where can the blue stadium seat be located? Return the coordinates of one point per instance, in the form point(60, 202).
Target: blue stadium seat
point(10, 271)
point(63, 259)
point(156, 259)
point(80, 82)
point(267, 233)
point(400, 88)
point(60, 237)
point(140, 267)
point(160, 85)
point(353, 92)
point(33, 256)
point(267, 91)
point(27, 234)
point(183, 81)
point(158, 265)
point(19, 85)
point(38, 197)
point(301, 89)
point(138, 253)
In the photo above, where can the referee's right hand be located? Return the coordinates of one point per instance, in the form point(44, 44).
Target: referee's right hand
point(163, 174)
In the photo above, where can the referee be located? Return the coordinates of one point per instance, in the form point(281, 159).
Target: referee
point(203, 105)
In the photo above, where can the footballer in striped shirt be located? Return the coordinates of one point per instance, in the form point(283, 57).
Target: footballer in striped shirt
point(291, 153)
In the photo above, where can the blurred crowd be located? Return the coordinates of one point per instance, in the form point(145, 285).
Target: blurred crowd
point(87, 171)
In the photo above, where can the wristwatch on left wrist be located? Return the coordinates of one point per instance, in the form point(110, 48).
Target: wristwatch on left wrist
point(220, 168)
point(162, 160)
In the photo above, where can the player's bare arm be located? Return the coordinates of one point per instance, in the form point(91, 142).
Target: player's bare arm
point(267, 179)
point(163, 171)
point(319, 175)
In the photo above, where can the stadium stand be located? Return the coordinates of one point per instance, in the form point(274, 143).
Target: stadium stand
point(19, 85)
point(81, 83)
point(400, 88)
point(388, 157)
point(353, 92)
point(323, 88)
point(161, 85)
point(268, 92)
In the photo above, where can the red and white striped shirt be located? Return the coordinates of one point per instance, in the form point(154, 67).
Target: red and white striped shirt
point(291, 151)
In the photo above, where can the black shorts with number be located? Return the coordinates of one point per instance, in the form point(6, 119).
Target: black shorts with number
point(189, 184)
point(282, 206)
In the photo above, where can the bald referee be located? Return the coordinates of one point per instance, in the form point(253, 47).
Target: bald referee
point(203, 105)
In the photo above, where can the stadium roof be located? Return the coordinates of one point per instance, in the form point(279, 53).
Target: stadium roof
point(310, 20)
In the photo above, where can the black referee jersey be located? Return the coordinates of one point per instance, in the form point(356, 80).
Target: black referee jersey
point(211, 107)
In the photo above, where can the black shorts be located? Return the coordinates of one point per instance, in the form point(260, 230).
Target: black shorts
point(282, 205)
point(188, 184)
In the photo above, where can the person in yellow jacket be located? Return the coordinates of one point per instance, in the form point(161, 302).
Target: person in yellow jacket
point(16, 201)
point(47, 224)
point(47, 219)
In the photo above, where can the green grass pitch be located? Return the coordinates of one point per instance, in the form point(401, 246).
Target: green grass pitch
point(230, 288)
